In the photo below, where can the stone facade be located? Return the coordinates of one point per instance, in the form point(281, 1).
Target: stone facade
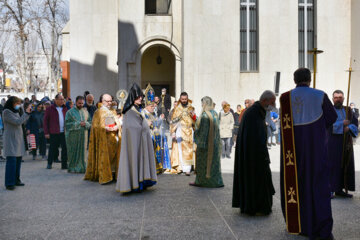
point(202, 40)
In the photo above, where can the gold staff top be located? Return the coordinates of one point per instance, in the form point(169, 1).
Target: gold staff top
point(350, 70)
point(315, 51)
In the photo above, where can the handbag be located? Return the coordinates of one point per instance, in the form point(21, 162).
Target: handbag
point(31, 140)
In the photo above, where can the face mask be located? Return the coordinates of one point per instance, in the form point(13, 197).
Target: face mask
point(17, 107)
point(114, 107)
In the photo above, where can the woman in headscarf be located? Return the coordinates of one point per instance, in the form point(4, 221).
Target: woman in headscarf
point(137, 169)
point(35, 126)
point(208, 151)
point(14, 146)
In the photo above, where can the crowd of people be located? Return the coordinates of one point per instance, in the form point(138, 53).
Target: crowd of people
point(129, 145)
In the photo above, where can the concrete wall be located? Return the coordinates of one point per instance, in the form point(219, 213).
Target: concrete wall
point(93, 44)
point(65, 41)
point(206, 37)
point(355, 52)
point(136, 28)
point(334, 37)
point(278, 49)
point(212, 46)
point(211, 50)
point(278, 46)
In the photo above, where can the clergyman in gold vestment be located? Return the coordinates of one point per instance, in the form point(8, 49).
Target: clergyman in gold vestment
point(181, 130)
point(105, 144)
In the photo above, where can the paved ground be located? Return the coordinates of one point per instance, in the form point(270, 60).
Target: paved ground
point(58, 205)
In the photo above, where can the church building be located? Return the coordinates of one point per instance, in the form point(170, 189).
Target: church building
point(226, 49)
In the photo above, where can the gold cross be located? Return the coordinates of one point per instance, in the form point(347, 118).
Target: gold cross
point(315, 52)
point(298, 103)
point(286, 119)
point(291, 193)
point(289, 156)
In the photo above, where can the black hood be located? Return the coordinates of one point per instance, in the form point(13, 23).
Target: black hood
point(134, 92)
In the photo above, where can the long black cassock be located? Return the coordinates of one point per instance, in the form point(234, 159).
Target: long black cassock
point(342, 167)
point(253, 188)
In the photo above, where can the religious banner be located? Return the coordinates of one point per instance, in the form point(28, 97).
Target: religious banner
point(292, 206)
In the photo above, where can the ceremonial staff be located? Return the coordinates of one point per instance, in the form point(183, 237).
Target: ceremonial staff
point(345, 157)
point(348, 91)
point(315, 52)
point(121, 95)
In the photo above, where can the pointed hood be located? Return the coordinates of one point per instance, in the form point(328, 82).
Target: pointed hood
point(134, 92)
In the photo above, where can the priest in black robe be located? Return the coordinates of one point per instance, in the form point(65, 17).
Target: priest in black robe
point(253, 188)
point(164, 104)
point(341, 154)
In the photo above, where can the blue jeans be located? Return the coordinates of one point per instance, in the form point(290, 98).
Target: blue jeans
point(12, 170)
point(226, 147)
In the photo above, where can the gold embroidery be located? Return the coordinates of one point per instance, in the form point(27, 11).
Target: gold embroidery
point(298, 103)
point(286, 120)
point(289, 155)
point(291, 193)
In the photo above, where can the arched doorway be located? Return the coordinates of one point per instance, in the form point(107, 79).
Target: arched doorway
point(158, 69)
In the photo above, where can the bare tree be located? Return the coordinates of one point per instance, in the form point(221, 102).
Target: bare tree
point(17, 12)
point(32, 51)
point(45, 19)
point(50, 19)
point(5, 61)
point(7, 46)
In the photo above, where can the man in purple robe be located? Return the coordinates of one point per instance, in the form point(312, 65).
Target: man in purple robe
point(312, 115)
point(342, 155)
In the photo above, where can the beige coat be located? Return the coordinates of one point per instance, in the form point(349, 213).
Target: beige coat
point(226, 124)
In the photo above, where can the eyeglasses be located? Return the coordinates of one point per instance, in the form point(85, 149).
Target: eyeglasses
point(110, 101)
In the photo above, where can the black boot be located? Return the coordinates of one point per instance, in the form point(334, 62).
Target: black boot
point(344, 194)
point(19, 183)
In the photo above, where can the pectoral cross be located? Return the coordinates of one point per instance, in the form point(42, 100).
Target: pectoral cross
point(289, 156)
point(291, 193)
point(286, 120)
